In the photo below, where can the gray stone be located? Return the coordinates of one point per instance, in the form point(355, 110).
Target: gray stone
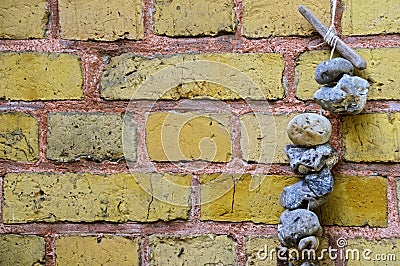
point(305, 160)
point(320, 183)
point(299, 195)
point(310, 242)
point(331, 71)
point(348, 96)
point(297, 224)
point(309, 130)
point(307, 263)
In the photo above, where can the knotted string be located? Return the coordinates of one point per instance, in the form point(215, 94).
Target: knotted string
point(330, 37)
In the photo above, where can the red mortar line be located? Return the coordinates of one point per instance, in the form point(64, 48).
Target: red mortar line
point(53, 24)
point(239, 17)
point(154, 44)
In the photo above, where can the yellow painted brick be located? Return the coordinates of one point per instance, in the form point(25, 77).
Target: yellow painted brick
point(92, 136)
point(373, 252)
point(16, 250)
point(262, 251)
point(357, 201)
point(19, 137)
point(188, 137)
point(192, 250)
point(365, 133)
point(101, 20)
point(90, 250)
point(364, 17)
point(82, 197)
point(263, 137)
point(381, 73)
point(219, 76)
point(21, 19)
point(194, 17)
point(40, 76)
point(239, 198)
point(264, 18)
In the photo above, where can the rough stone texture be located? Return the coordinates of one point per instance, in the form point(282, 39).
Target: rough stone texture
point(239, 198)
point(172, 77)
point(297, 224)
point(263, 18)
point(381, 72)
point(262, 140)
point(19, 135)
point(194, 18)
point(17, 250)
point(299, 195)
point(348, 96)
point(382, 252)
point(320, 183)
point(356, 201)
point(332, 70)
point(378, 132)
point(364, 17)
point(91, 136)
point(81, 197)
point(188, 137)
point(21, 19)
point(192, 250)
point(310, 242)
point(91, 250)
point(309, 130)
point(40, 76)
point(261, 251)
point(312, 159)
point(103, 20)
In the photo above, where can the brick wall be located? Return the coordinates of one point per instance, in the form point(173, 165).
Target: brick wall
point(144, 132)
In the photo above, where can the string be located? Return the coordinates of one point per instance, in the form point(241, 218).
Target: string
point(330, 37)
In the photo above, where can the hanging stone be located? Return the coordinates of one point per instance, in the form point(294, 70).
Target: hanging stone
point(320, 183)
point(305, 160)
point(348, 96)
point(310, 242)
point(299, 195)
point(309, 130)
point(295, 225)
point(332, 70)
point(307, 263)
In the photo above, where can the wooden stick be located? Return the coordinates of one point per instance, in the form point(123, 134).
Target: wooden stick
point(341, 46)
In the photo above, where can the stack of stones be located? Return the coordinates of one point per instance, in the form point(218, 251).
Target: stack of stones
point(312, 157)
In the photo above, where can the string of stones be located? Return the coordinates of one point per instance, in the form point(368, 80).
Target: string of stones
point(312, 157)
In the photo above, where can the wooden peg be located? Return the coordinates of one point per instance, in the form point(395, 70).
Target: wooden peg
point(341, 46)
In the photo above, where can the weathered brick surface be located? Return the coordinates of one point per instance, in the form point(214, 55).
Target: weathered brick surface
point(364, 17)
point(40, 76)
point(371, 132)
point(381, 73)
point(188, 137)
point(192, 250)
point(19, 137)
point(104, 20)
point(373, 252)
point(357, 201)
point(261, 251)
point(92, 136)
point(239, 198)
point(18, 250)
point(89, 250)
point(82, 197)
point(263, 18)
point(220, 76)
point(263, 137)
point(194, 18)
point(21, 19)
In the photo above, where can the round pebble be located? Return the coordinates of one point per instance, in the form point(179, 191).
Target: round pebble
point(309, 130)
point(332, 70)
